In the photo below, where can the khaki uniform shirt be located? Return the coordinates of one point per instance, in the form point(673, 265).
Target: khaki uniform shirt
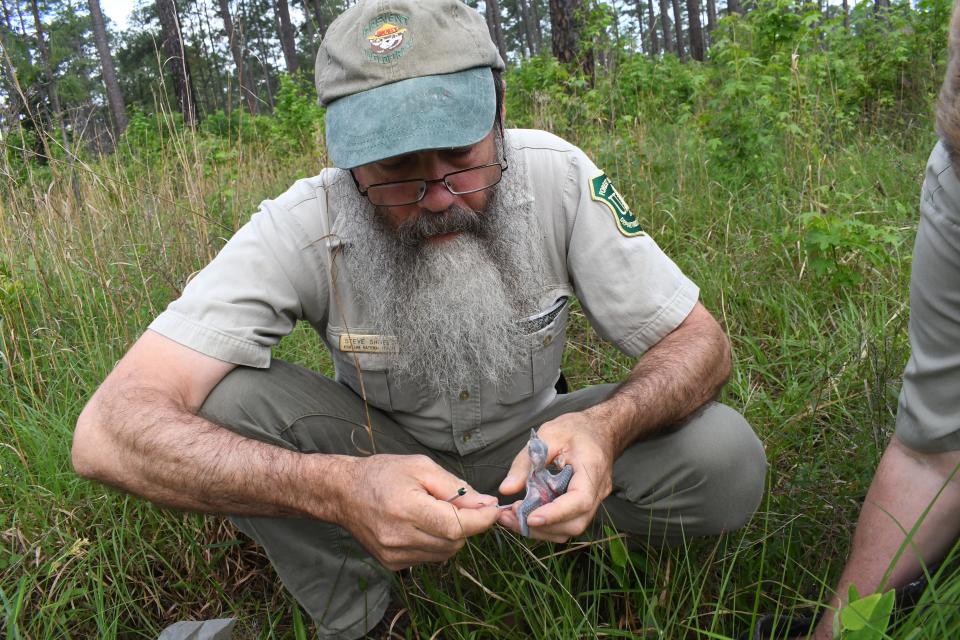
point(928, 418)
point(281, 268)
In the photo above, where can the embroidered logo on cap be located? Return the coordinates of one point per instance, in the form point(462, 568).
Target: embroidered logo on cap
point(388, 37)
point(602, 190)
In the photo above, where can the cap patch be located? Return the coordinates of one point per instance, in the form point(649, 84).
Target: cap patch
point(602, 190)
point(387, 38)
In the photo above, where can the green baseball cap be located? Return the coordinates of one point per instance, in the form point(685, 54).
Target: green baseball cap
point(402, 76)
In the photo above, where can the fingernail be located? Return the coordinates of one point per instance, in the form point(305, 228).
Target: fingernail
point(535, 521)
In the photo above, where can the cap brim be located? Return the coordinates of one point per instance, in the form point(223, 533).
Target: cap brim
point(428, 112)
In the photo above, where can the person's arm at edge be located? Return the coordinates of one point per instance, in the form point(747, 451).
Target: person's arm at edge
point(905, 484)
point(140, 432)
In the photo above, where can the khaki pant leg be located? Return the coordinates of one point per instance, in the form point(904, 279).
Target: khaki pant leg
point(705, 478)
point(343, 588)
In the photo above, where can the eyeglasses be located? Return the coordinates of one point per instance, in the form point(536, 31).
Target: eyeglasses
point(459, 183)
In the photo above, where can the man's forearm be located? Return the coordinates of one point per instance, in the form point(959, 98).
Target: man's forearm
point(675, 377)
point(139, 440)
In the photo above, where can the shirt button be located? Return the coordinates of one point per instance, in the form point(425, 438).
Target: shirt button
point(547, 340)
point(464, 395)
point(467, 436)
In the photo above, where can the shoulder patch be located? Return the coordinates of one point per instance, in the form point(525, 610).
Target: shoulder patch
point(602, 190)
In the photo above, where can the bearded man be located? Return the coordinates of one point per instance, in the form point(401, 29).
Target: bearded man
point(437, 262)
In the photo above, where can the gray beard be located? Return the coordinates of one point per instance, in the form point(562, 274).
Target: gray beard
point(452, 306)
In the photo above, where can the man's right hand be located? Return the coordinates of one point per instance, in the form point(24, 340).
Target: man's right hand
point(397, 509)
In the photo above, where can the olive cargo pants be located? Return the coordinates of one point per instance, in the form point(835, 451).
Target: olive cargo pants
point(703, 478)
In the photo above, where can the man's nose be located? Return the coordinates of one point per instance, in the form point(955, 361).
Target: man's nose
point(438, 198)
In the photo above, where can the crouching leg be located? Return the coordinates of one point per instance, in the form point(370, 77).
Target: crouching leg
point(703, 478)
point(340, 585)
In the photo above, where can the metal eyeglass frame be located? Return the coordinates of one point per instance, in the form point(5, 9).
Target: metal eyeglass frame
point(426, 183)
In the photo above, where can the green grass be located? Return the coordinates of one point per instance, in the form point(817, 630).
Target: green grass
point(818, 360)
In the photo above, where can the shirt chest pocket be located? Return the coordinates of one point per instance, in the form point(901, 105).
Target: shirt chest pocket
point(540, 364)
point(369, 374)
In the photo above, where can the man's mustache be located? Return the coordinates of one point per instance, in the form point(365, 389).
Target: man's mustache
point(414, 231)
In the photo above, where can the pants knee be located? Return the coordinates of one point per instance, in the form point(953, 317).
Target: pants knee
point(703, 479)
point(732, 469)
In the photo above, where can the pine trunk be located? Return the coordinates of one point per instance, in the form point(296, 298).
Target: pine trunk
point(644, 46)
point(14, 102)
point(846, 15)
point(495, 26)
point(243, 74)
point(678, 27)
point(527, 30)
point(288, 40)
point(668, 44)
point(52, 95)
point(711, 15)
point(734, 6)
point(564, 29)
point(537, 27)
point(206, 37)
point(118, 111)
point(695, 31)
point(652, 30)
point(176, 55)
point(318, 16)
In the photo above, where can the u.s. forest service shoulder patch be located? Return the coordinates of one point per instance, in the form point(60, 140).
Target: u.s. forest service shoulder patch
point(602, 190)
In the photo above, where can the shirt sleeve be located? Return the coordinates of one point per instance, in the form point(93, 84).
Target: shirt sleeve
point(928, 418)
point(268, 276)
point(631, 292)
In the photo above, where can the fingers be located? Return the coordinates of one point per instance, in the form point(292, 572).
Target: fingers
point(450, 521)
point(446, 487)
point(433, 532)
point(516, 478)
point(569, 515)
point(453, 523)
point(473, 500)
point(472, 521)
point(508, 518)
point(565, 517)
point(410, 549)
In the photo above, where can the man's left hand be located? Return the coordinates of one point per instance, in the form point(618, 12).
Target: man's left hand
point(572, 439)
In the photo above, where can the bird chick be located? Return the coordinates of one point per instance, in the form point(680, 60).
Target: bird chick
point(543, 486)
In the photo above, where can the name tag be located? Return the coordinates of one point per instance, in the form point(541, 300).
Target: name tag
point(360, 343)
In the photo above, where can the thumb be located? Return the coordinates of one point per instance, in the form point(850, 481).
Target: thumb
point(516, 478)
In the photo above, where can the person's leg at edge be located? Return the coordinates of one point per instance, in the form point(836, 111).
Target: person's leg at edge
point(342, 587)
